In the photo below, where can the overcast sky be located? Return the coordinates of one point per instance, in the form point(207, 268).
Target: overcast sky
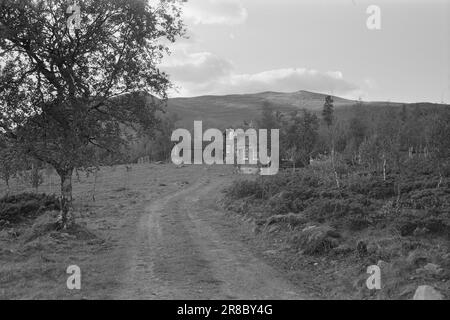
point(247, 46)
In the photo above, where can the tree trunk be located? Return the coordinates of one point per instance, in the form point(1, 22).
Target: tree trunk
point(440, 179)
point(333, 164)
point(384, 168)
point(7, 187)
point(66, 217)
point(425, 152)
point(336, 177)
point(399, 194)
point(263, 187)
point(95, 185)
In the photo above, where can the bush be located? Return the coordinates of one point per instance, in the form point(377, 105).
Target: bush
point(373, 187)
point(27, 205)
point(409, 222)
point(280, 203)
point(243, 189)
point(291, 219)
point(427, 199)
point(43, 224)
point(353, 211)
point(317, 240)
point(365, 200)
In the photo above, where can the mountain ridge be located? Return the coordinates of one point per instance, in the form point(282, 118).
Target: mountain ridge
point(222, 111)
point(225, 111)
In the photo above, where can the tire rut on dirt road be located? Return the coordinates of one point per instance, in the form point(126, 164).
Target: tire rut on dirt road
point(178, 253)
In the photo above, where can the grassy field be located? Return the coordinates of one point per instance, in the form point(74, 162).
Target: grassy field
point(36, 269)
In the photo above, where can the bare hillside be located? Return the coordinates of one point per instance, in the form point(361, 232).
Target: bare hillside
point(223, 111)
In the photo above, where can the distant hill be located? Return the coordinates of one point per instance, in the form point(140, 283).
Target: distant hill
point(231, 110)
point(224, 111)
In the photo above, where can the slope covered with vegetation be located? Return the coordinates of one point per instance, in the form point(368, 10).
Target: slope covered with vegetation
point(368, 188)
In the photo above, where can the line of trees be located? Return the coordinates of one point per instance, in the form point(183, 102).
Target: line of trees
point(378, 139)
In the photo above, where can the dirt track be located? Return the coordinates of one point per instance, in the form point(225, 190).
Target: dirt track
point(184, 248)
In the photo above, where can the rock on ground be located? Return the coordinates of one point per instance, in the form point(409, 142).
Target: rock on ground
point(427, 293)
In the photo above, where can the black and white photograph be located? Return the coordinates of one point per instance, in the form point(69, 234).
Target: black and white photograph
point(224, 156)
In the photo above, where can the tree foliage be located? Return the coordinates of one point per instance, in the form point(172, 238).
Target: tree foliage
point(328, 111)
point(63, 95)
point(299, 136)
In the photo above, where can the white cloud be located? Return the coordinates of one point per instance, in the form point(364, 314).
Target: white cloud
point(196, 68)
point(291, 79)
point(205, 73)
point(228, 12)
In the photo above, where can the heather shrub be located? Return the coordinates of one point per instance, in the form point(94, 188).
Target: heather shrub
point(373, 187)
point(316, 240)
point(422, 222)
point(244, 188)
point(16, 208)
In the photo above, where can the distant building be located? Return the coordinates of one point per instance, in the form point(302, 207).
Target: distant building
point(246, 154)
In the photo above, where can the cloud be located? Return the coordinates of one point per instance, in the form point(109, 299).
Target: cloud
point(196, 68)
point(227, 12)
point(289, 80)
point(205, 73)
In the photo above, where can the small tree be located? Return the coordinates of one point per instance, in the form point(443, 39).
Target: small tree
point(328, 111)
point(49, 172)
point(389, 134)
point(93, 171)
point(292, 155)
point(356, 135)
point(370, 150)
point(8, 164)
point(299, 136)
point(328, 118)
point(269, 120)
point(440, 145)
point(35, 177)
